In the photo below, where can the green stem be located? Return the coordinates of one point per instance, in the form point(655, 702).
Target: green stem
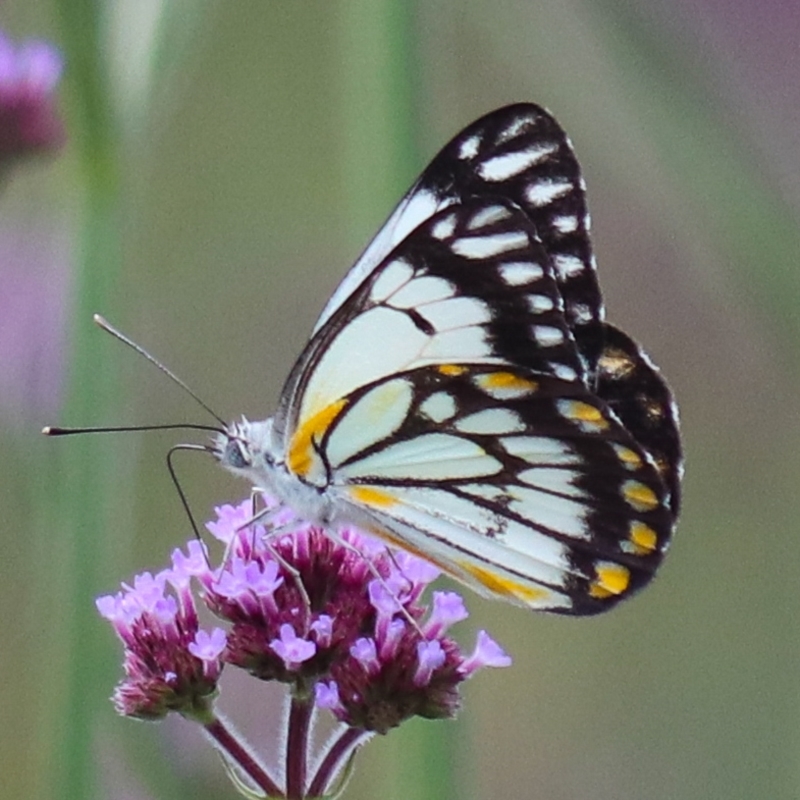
point(83, 501)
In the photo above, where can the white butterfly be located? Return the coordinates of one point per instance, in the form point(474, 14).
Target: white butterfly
point(462, 398)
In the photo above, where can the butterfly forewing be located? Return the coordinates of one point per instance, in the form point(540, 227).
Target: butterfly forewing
point(520, 154)
point(472, 284)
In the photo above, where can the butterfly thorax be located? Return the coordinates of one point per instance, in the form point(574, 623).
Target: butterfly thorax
point(249, 450)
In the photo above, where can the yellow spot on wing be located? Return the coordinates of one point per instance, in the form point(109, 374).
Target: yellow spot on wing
point(629, 458)
point(643, 538)
point(612, 579)
point(451, 369)
point(301, 449)
point(640, 496)
point(371, 497)
point(506, 380)
point(584, 412)
point(503, 586)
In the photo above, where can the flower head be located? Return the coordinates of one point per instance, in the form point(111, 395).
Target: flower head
point(170, 663)
point(404, 670)
point(336, 616)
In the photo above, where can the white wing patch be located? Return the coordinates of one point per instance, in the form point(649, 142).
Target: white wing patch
point(518, 273)
point(477, 532)
point(418, 291)
point(515, 560)
point(445, 227)
point(396, 274)
point(541, 449)
point(555, 514)
point(491, 422)
point(354, 358)
point(460, 344)
point(439, 407)
point(490, 246)
point(371, 419)
point(558, 481)
point(543, 192)
point(501, 168)
point(539, 303)
point(567, 266)
point(488, 216)
point(432, 456)
point(456, 313)
point(547, 335)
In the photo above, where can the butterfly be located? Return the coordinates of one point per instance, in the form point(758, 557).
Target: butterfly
point(462, 397)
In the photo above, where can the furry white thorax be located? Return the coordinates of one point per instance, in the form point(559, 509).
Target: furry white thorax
point(250, 450)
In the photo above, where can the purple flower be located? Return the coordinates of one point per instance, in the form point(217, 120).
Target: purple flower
point(29, 118)
point(403, 669)
point(170, 664)
point(292, 649)
point(338, 618)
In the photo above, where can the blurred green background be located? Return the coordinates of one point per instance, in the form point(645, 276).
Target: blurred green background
point(226, 164)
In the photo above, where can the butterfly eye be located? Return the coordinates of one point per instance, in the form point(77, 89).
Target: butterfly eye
point(235, 456)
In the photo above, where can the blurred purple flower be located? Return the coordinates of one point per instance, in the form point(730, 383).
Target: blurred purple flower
point(340, 620)
point(29, 117)
point(34, 271)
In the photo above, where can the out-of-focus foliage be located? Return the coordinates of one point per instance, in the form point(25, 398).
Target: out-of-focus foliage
point(256, 146)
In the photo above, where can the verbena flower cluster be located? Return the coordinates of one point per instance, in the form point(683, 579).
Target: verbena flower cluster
point(340, 619)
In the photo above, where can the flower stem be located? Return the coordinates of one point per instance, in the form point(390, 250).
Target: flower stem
point(331, 765)
point(300, 712)
point(235, 750)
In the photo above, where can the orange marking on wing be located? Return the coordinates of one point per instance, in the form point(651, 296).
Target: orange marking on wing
point(504, 586)
point(643, 538)
point(612, 580)
point(584, 412)
point(629, 458)
point(301, 450)
point(451, 369)
point(639, 495)
point(371, 497)
point(507, 380)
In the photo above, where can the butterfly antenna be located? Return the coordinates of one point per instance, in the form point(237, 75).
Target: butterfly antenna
point(109, 328)
point(54, 430)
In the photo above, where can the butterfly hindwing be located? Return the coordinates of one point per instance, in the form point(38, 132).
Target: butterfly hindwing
point(517, 483)
point(634, 389)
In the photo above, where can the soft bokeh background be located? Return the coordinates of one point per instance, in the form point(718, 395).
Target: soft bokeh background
point(227, 163)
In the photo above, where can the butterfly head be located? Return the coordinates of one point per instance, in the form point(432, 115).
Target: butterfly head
point(245, 449)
